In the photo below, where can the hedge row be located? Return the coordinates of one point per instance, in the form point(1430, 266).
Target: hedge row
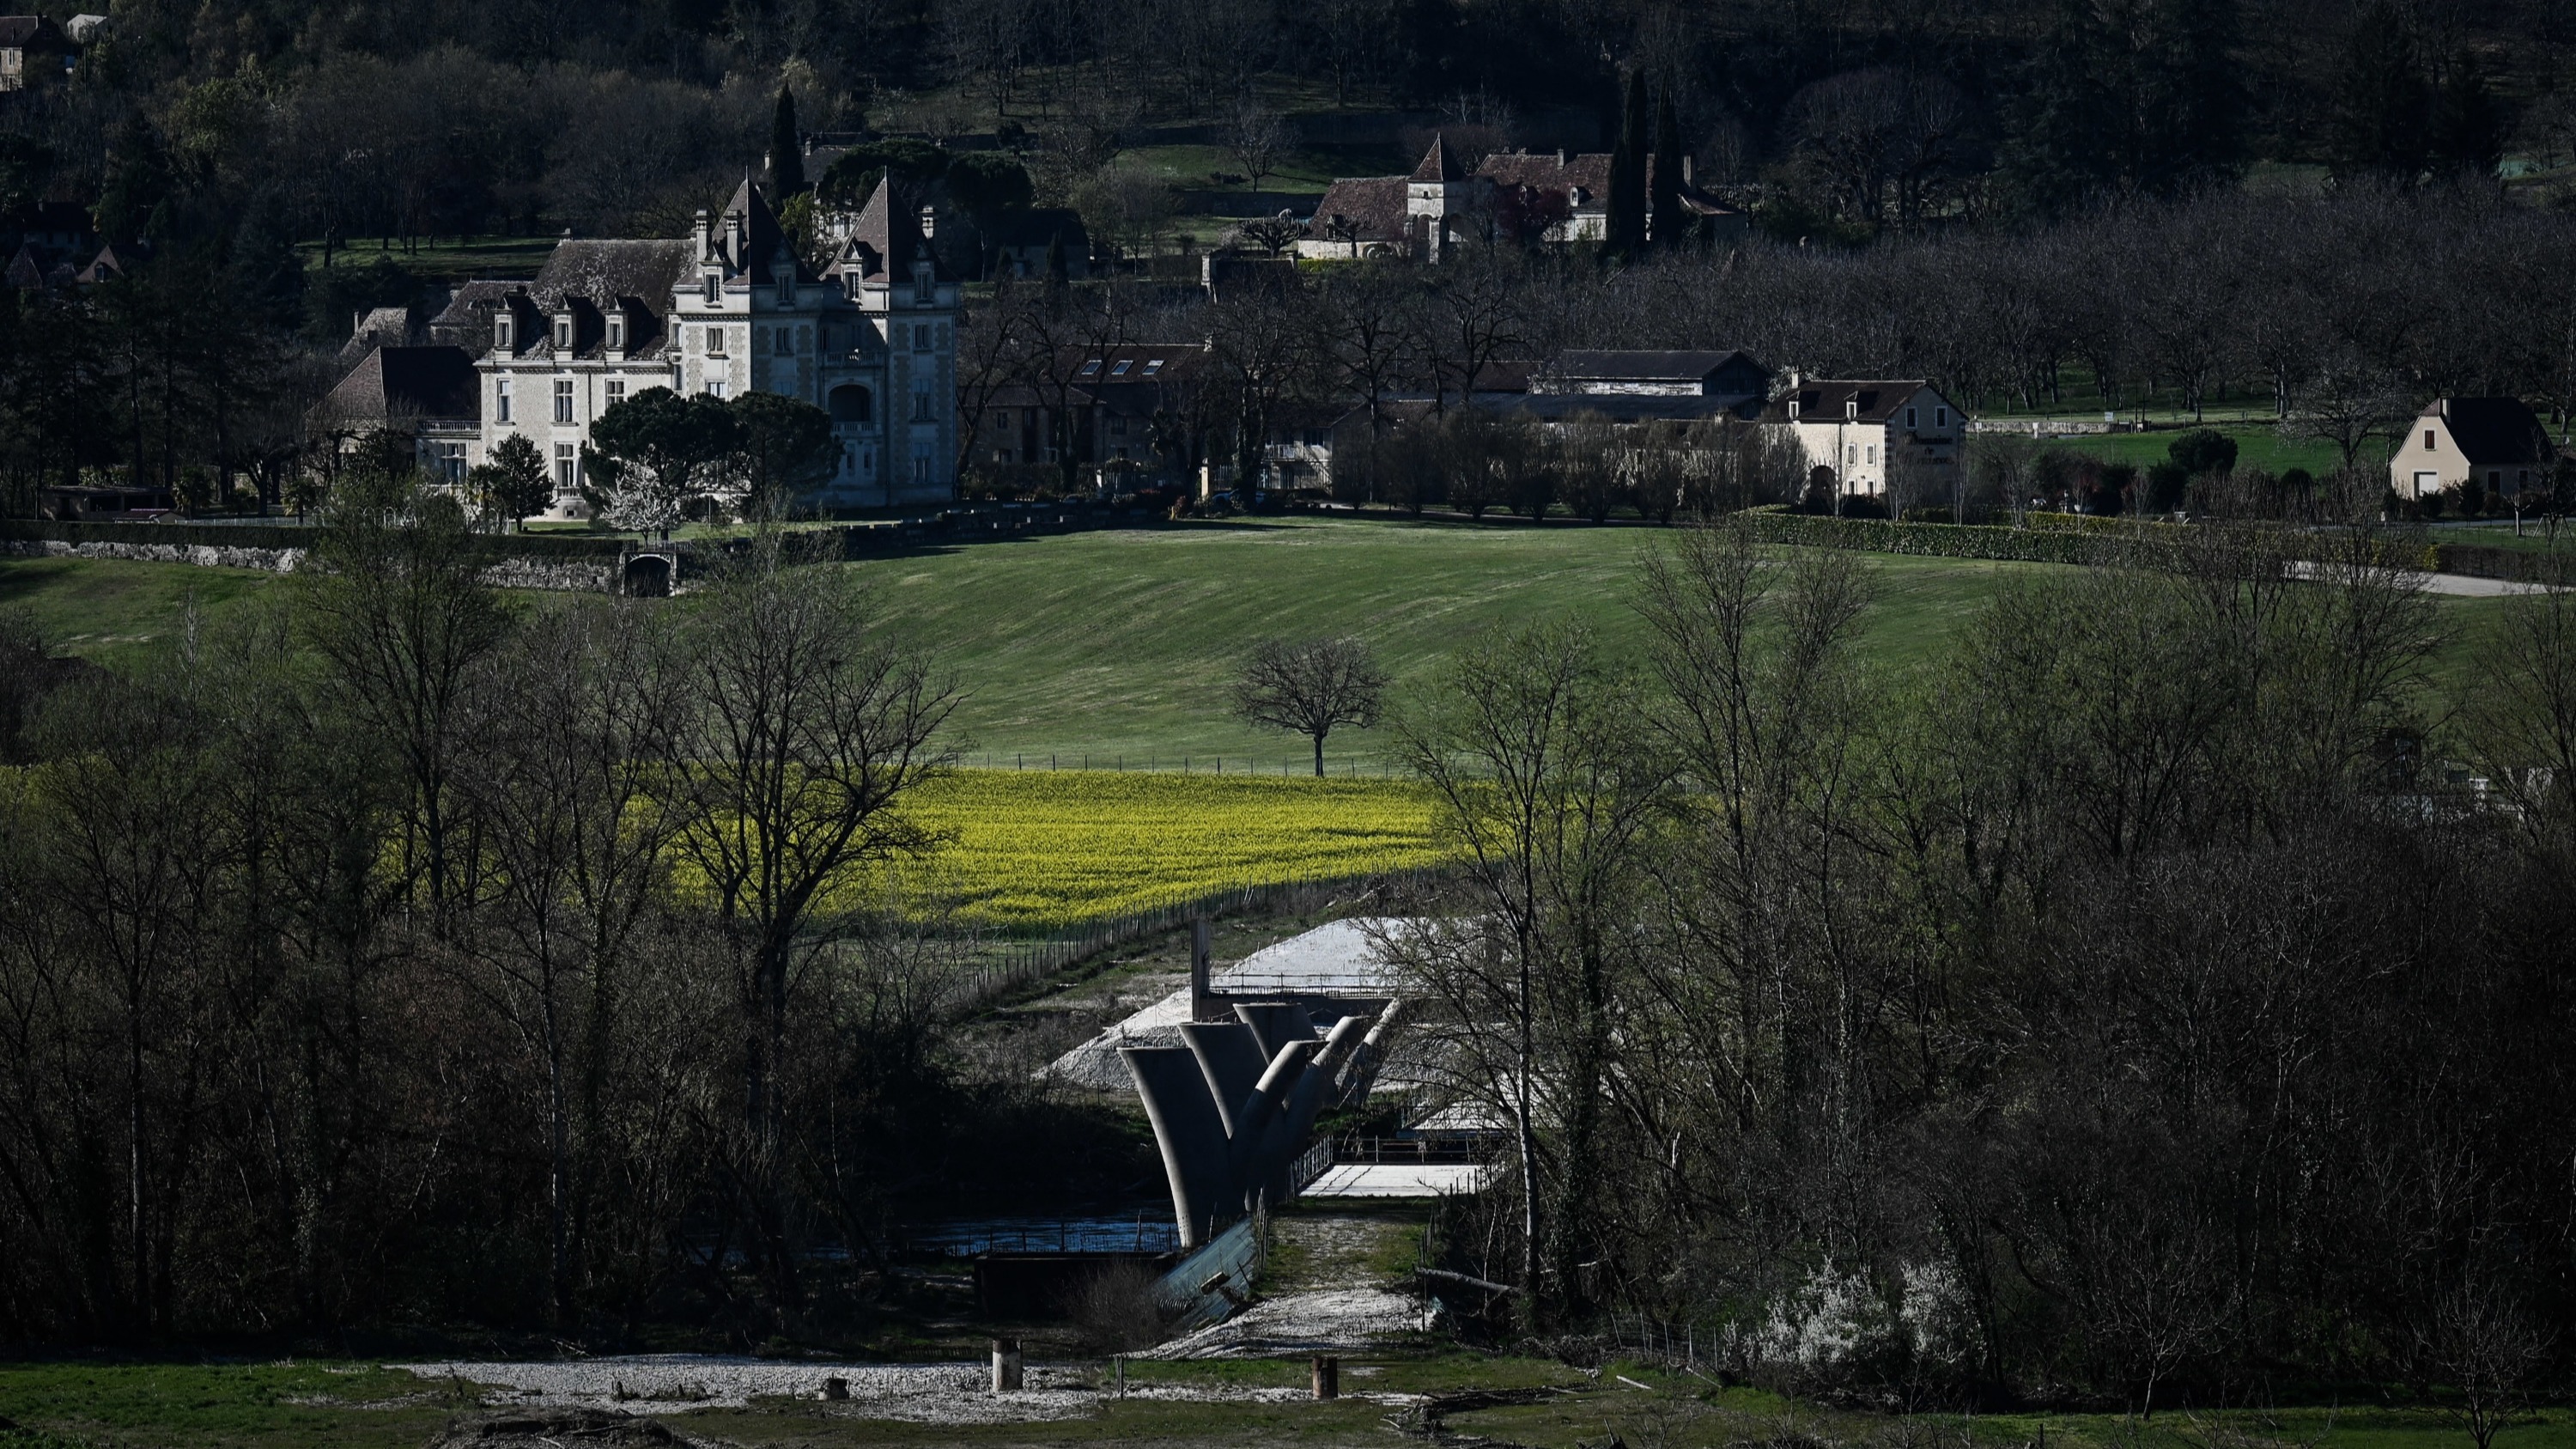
point(2086, 539)
point(1775, 524)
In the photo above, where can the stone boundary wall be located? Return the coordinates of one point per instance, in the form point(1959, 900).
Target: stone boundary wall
point(551, 575)
point(272, 560)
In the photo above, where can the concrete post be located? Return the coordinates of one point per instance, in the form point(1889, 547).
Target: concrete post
point(1203, 1006)
point(1006, 1365)
point(1328, 1376)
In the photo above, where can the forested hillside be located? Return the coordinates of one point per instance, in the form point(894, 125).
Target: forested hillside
point(424, 117)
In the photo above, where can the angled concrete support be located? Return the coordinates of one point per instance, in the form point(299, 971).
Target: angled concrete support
point(1275, 1024)
point(1230, 1058)
point(1196, 1151)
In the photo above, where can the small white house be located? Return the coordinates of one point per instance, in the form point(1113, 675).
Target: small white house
point(2496, 440)
point(1855, 431)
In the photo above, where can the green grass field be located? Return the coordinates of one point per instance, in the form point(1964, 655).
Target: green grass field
point(311, 1404)
point(2258, 445)
point(444, 258)
point(1115, 647)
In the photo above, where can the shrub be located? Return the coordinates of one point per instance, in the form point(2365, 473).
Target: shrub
point(2202, 451)
point(1116, 1310)
point(2166, 483)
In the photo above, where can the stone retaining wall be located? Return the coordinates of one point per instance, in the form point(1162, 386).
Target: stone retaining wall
point(567, 576)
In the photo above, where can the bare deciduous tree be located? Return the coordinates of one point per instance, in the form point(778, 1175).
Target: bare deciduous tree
point(1311, 688)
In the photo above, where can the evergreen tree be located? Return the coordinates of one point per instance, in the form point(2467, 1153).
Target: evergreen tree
point(786, 149)
point(1625, 234)
point(2382, 104)
point(1671, 223)
point(263, 270)
point(2468, 128)
point(137, 183)
point(2129, 95)
point(1059, 274)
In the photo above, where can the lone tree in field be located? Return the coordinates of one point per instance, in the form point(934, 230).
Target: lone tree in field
point(1310, 688)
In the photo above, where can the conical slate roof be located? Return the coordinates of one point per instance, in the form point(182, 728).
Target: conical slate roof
point(1439, 163)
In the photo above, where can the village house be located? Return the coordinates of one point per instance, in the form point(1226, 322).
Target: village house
point(2497, 441)
point(1116, 398)
point(34, 52)
point(1556, 199)
point(426, 392)
point(1856, 432)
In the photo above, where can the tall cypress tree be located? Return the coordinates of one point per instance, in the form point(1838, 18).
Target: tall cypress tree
point(2383, 104)
point(786, 149)
point(1625, 226)
point(2468, 129)
point(1664, 184)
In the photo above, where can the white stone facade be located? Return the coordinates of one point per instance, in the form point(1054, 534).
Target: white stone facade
point(871, 340)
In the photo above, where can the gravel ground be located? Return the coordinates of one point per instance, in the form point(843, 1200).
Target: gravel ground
point(949, 1393)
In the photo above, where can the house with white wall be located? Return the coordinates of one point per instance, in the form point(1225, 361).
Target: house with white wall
point(1854, 431)
point(2498, 441)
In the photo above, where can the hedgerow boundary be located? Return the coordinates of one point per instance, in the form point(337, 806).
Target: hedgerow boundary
point(2067, 538)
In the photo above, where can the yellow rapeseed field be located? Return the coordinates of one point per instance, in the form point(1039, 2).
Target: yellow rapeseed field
point(1041, 849)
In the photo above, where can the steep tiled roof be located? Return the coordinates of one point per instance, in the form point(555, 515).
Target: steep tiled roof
point(1609, 366)
point(407, 382)
point(1439, 163)
point(887, 237)
point(2493, 429)
point(18, 32)
point(1823, 401)
point(467, 320)
point(604, 270)
point(764, 242)
point(1374, 204)
point(1584, 179)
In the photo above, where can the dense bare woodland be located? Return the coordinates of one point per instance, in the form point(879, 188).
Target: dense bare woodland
point(2132, 1003)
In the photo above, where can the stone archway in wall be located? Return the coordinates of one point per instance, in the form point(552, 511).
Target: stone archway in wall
point(648, 576)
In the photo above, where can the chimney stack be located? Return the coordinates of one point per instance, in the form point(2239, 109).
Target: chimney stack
point(702, 233)
point(929, 223)
point(734, 246)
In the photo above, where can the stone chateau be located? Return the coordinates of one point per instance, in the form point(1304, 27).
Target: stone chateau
point(871, 339)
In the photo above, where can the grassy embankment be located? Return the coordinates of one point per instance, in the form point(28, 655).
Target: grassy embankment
point(1115, 648)
point(359, 1405)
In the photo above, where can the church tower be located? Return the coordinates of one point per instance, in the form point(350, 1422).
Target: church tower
point(1436, 199)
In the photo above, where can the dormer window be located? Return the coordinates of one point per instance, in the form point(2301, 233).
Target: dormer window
point(787, 289)
point(501, 331)
point(1793, 407)
point(714, 289)
point(1851, 408)
point(617, 333)
point(563, 333)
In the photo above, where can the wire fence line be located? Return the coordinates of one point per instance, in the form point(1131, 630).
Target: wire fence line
point(1015, 966)
point(1336, 767)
